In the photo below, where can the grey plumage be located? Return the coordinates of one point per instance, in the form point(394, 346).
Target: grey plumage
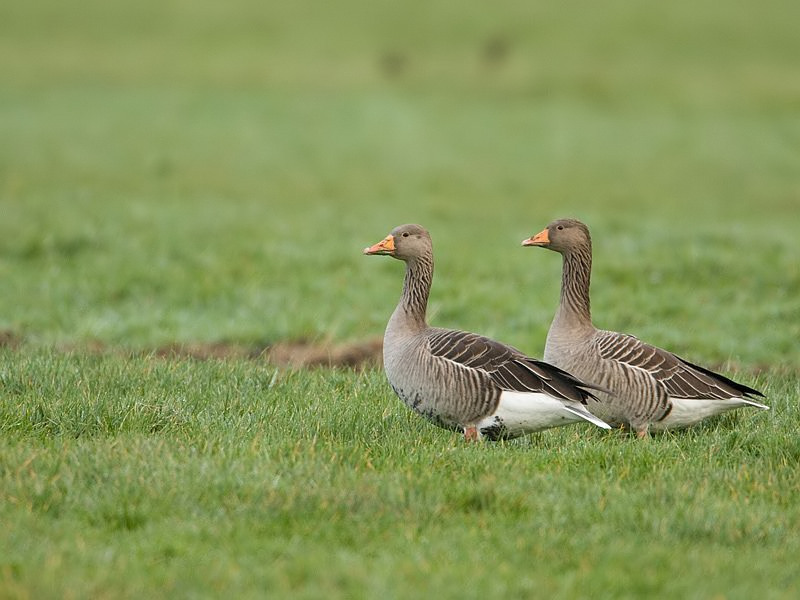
point(457, 379)
point(650, 387)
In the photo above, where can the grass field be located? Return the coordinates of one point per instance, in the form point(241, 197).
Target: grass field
point(203, 173)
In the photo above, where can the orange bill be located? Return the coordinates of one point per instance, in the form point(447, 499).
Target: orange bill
point(385, 246)
point(540, 239)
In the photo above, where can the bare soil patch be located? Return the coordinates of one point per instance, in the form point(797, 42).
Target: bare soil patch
point(286, 353)
point(296, 353)
point(10, 339)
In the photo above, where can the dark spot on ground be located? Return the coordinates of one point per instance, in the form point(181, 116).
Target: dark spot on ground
point(10, 339)
point(495, 50)
point(393, 64)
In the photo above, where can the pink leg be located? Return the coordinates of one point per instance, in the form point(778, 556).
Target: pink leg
point(471, 433)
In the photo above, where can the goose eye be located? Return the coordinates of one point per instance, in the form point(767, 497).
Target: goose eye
point(405, 234)
point(560, 227)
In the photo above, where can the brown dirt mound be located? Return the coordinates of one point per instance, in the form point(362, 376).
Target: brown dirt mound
point(303, 354)
point(10, 339)
point(294, 354)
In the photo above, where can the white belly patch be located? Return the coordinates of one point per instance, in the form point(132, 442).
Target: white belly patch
point(686, 412)
point(522, 412)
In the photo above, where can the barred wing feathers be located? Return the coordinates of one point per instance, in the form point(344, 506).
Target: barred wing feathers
point(679, 377)
point(506, 366)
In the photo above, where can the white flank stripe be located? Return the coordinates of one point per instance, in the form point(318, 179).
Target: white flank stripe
point(687, 411)
point(526, 412)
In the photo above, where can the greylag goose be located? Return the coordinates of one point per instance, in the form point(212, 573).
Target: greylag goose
point(651, 387)
point(463, 381)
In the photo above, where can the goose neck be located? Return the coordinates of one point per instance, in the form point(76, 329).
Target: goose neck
point(574, 310)
point(416, 287)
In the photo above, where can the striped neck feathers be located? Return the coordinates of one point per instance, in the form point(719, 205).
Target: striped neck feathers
point(416, 288)
point(574, 310)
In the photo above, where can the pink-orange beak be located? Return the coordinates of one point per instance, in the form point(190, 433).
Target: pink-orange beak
point(385, 246)
point(540, 239)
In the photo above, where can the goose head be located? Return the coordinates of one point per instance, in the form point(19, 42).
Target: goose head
point(406, 242)
point(562, 236)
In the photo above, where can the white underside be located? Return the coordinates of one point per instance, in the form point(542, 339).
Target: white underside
point(686, 411)
point(522, 412)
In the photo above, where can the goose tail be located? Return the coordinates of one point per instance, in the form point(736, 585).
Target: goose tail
point(579, 411)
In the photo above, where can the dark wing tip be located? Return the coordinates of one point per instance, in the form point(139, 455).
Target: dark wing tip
point(562, 377)
point(746, 391)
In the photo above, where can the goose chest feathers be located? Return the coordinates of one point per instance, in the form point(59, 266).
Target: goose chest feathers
point(463, 381)
point(651, 388)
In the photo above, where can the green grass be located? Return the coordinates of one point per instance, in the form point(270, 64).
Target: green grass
point(192, 478)
point(175, 173)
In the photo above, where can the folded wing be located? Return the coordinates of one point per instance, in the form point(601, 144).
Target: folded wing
point(507, 367)
point(679, 377)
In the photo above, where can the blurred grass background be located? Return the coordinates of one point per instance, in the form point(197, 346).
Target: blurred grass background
point(190, 172)
point(176, 171)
